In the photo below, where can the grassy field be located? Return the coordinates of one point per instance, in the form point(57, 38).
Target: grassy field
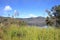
point(29, 33)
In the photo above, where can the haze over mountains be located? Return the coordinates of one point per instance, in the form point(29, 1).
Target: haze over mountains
point(36, 21)
point(33, 21)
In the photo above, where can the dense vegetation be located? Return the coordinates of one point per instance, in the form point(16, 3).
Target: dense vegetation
point(54, 16)
point(28, 33)
point(7, 21)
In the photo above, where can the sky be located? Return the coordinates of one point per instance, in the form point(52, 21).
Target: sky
point(26, 8)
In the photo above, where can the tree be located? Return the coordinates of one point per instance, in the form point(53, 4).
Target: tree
point(54, 16)
point(16, 13)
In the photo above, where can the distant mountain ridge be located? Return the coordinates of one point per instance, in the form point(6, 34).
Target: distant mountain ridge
point(33, 21)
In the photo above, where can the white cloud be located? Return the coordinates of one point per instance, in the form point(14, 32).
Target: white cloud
point(7, 8)
point(30, 15)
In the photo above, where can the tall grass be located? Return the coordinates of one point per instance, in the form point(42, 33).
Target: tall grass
point(29, 33)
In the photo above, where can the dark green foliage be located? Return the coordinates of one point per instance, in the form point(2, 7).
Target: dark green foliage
point(48, 21)
point(13, 34)
point(54, 16)
point(22, 23)
point(5, 19)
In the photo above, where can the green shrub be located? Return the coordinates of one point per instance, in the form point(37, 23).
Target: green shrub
point(30, 33)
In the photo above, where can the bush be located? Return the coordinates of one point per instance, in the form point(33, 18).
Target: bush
point(30, 33)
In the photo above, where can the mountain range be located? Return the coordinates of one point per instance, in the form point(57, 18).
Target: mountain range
point(33, 21)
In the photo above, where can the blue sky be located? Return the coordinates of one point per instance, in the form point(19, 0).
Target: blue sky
point(26, 8)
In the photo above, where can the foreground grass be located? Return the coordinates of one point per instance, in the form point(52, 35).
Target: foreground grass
point(29, 33)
